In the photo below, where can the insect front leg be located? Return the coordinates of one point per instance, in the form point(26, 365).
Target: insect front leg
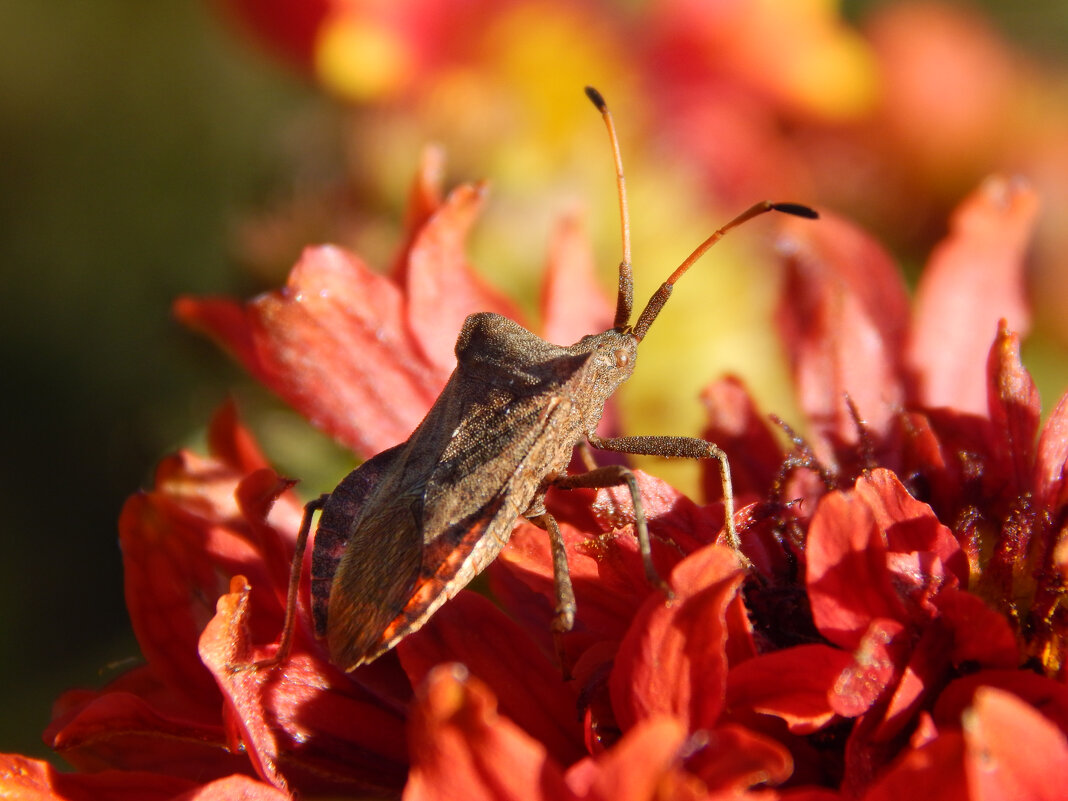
point(285, 643)
point(613, 476)
point(687, 448)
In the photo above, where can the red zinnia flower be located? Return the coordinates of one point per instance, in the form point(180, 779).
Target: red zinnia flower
point(901, 623)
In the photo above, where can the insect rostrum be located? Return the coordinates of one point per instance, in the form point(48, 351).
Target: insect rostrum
point(409, 528)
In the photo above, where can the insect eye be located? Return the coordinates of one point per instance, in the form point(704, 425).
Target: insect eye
point(622, 358)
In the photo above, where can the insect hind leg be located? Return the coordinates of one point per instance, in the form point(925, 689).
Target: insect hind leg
point(285, 643)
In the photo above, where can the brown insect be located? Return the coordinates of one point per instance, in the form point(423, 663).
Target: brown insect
point(409, 528)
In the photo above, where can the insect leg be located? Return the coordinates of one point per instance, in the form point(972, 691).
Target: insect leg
point(612, 476)
point(564, 617)
point(586, 454)
point(286, 641)
point(687, 448)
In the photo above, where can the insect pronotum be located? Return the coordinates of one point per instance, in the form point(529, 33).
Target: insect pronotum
point(409, 528)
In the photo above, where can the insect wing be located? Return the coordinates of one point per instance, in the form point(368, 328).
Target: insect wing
point(466, 519)
point(344, 506)
point(441, 506)
point(375, 575)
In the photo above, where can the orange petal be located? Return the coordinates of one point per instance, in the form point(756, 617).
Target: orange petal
point(462, 748)
point(1013, 752)
point(644, 764)
point(673, 660)
point(28, 779)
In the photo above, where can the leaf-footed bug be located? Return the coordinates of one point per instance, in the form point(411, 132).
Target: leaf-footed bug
point(408, 529)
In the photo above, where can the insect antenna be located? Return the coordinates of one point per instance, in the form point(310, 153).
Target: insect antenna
point(625, 296)
point(660, 297)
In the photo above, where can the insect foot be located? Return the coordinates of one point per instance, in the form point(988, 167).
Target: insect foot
point(408, 529)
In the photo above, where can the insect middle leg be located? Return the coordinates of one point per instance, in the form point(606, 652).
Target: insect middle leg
point(613, 476)
point(564, 614)
point(686, 448)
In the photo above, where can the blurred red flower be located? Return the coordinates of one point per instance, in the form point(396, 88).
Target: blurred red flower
point(889, 110)
point(902, 623)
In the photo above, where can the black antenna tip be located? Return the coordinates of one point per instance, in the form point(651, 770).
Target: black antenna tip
point(797, 210)
point(596, 98)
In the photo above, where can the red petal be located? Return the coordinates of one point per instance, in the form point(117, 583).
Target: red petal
point(639, 767)
point(120, 729)
point(673, 660)
point(288, 29)
point(842, 317)
point(873, 668)
point(496, 650)
point(923, 675)
point(424, 198)
point(232, 443)
point(303, 721)
point(810, 794)
point(1048, 696)
point(182, 542)
point(1015, 409)
point(848, 580)
point(572, 302)
point(226, 322)
point(938, 448)
point(973, 279)
point(462, 749)
point(910, 525)
point(235, 788)
point(335, 344)
point(733, 759)
point(27, 779)
point(1052, 456)
point(441, 287)
point(350, 349)
point(602, 549)
point(1013, 752)
point(740, 642)
point(607, 591)
point(934, 772)
point(739, 429)
point(793, 684)
point(685, 524)
point(979, 635)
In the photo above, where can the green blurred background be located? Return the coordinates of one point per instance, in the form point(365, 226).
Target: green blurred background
point(133, 137)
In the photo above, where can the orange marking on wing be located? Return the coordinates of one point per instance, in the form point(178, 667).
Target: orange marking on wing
point(430, 587)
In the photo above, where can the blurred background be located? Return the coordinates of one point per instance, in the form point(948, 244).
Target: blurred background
point(153, 149)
